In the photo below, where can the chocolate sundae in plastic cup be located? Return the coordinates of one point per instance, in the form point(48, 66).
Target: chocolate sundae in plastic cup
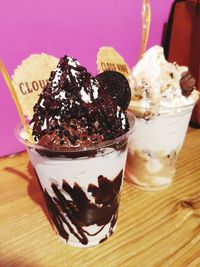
point(162, 99)
point(80, 150)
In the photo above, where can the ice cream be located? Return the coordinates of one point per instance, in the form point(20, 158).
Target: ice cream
point(162, 98)
point(155, 83)
point(81, 139)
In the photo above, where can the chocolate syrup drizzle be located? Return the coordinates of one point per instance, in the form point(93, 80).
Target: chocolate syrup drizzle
point(62, 118)
point(71, 215)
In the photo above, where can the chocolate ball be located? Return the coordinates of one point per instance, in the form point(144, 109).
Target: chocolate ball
point(187, 83)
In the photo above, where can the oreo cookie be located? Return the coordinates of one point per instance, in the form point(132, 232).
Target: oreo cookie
point(117, 86)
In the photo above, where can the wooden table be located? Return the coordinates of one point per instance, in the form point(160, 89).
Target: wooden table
point(154, 229)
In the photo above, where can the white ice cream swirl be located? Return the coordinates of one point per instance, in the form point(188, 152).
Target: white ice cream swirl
point(155, 82)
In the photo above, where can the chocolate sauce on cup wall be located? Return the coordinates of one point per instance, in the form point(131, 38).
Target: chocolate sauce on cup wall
point(80, 211)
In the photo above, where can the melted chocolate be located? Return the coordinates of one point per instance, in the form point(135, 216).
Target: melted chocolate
point(119, 146)
point(70, 215)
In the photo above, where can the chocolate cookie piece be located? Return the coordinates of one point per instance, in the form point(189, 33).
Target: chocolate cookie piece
point(118, 87)
point(187, 83)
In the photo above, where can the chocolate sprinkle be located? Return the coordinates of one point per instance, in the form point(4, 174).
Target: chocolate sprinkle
point(76, 110)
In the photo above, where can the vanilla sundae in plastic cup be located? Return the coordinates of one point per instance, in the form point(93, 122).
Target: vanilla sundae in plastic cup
point(80, 150)
point(162, 99)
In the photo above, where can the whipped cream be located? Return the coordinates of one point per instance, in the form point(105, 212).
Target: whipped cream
point(155, 83)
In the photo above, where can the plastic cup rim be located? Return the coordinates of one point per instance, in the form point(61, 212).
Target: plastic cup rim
point(101, 145)
point(166, 110)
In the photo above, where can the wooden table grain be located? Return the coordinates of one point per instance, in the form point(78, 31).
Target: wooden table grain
point(154, 229)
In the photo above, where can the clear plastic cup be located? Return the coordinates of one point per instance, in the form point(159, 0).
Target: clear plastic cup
point(154, 146)
point(82, 187)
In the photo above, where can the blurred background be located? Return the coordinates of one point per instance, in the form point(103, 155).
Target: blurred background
point(76, 28)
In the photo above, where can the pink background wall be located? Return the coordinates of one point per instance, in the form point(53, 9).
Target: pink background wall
point(76, 28)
